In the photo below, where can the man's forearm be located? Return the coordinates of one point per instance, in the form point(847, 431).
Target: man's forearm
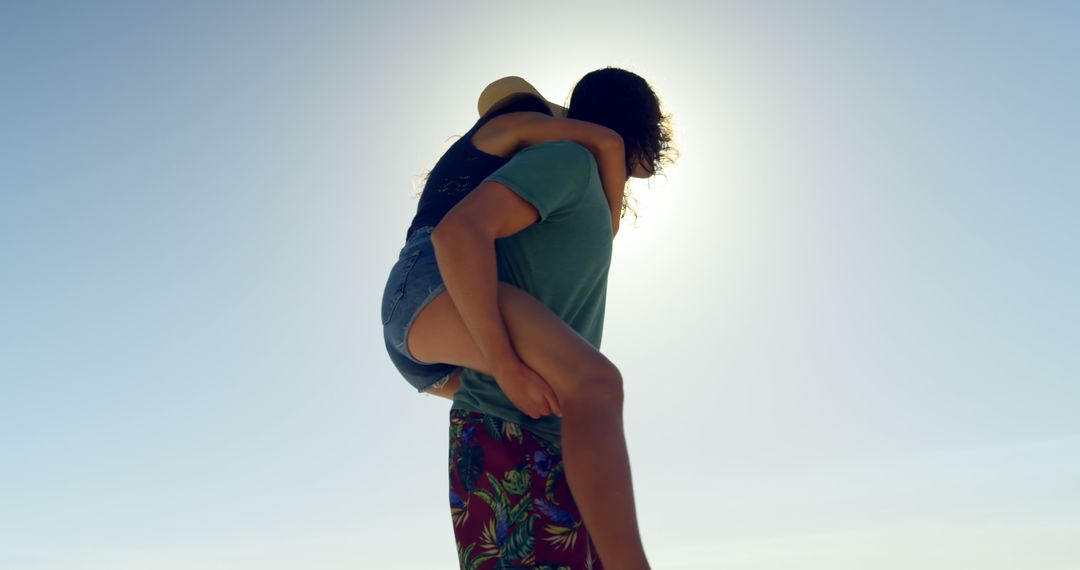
point(466, 259)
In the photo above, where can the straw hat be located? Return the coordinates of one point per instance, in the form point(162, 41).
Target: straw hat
point(504, 91)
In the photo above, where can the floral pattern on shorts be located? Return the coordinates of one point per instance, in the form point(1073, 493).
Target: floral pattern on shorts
point(509, 501)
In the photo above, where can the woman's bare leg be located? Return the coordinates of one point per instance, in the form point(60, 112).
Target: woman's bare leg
point(589, 389)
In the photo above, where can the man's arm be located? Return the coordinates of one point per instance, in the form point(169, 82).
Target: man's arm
point(465, 250)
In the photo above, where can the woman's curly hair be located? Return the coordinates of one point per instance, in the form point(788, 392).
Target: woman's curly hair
point(625, 103)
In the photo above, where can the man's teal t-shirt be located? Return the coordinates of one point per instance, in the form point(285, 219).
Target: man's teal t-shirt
point(562, 259)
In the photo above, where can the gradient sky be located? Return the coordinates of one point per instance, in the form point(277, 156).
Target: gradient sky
point(847, 319)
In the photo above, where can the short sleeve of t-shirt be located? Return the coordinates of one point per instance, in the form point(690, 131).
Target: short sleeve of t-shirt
point(550, 175)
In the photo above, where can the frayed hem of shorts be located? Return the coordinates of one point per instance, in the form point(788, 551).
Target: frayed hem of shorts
point(442, 381)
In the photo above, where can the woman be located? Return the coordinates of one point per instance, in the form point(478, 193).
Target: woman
point(513, 115)
point(433, 328)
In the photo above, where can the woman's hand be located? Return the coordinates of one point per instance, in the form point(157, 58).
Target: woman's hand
point(526, 389)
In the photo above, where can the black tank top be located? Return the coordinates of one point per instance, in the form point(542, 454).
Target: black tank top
point(461, 169)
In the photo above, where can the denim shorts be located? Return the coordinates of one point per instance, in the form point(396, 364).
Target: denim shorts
point(413, 283)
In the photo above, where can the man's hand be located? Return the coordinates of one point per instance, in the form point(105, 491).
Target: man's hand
point(527, 390)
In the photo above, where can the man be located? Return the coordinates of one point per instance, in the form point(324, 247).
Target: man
point(543, 225)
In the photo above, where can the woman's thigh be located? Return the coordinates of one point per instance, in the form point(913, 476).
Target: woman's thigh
point(541, 339)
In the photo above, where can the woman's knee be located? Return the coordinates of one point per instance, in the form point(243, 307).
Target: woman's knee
point(599, 384)
point(575, 369)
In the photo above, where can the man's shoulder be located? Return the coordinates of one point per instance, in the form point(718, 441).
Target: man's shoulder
point(551, 175)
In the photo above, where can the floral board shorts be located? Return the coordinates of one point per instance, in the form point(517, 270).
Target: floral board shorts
point(509, 501)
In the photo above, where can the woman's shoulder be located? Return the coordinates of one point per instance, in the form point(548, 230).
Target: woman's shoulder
point(510, 121)
point(499, 135)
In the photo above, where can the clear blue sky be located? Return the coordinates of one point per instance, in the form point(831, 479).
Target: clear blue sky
point(848, 318)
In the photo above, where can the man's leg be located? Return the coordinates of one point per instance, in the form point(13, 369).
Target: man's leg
point(589, 389)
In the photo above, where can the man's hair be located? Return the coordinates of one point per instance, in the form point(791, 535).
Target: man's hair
point(623, 102)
